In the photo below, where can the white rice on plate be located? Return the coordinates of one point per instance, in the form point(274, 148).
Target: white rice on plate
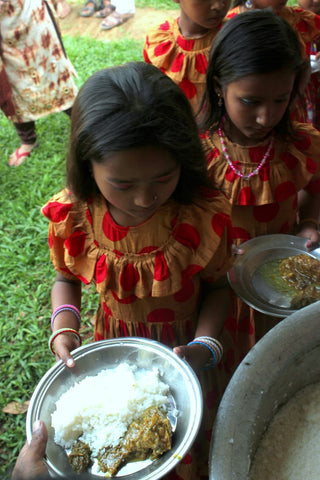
point(290, 448)
point(100, 408)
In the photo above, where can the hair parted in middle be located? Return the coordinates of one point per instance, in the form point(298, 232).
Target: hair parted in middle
point(253, 42)
point(130, 106)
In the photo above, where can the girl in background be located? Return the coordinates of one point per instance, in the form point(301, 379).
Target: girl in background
point(180, 46)
point(39, 74)
point(256, 154)
point(306, 23)
point(139, 221)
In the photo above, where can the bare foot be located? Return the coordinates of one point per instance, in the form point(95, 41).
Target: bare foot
point(19, 156)
point(63, 9)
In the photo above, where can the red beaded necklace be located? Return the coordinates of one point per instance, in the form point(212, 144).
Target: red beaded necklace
point(233, 168)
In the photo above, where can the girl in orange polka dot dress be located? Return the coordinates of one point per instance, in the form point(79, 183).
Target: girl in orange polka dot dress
point(256, 154)
point(141, 222)
point(180, 46)
point(307, 26)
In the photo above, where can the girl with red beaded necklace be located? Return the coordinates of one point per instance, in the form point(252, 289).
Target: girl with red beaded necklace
point(268, 165)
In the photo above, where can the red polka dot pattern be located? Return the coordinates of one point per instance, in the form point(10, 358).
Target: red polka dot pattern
point(185, 44)
point(177, 63)
point(284, 191)
point(311, 165)
point(57, 212)
point(246, 197)
point(241, 234)
point(219, 222)
point(161, 270)
point(88, 215)
point(290, 160)
point(101, 269)
point(126, 300)
point(185, 292)
point(75, 243)
point(187, 235)
point(303, 143)
point(201, 63)
point(188, 88)
point(129, 277)
point(266, 213)
point(162, 48)
point(111, 230)
point(164, 26)
point(161, 315)
point(314, 187)
point(302, 26)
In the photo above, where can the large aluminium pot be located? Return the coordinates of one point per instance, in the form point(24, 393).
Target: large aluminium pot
point(284, 361)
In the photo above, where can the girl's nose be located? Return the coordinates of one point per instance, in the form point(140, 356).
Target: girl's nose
point(265, 117)
point(144, 198)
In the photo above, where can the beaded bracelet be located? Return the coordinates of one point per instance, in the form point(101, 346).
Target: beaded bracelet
point(310, 220)
point(213, 345)
point(63, 308)
point(59, 332)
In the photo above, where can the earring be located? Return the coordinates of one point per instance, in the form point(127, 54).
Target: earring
point(220, 101)
point(249, 4)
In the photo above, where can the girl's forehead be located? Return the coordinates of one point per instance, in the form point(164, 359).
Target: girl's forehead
point(136, 162)
point(276, 82)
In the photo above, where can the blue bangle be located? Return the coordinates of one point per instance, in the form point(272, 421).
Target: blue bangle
point(213, 353)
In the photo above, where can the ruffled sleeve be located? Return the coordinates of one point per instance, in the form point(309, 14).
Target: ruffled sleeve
point(305, 23)
point(290, 168)
point(185, 60)
point(155, 258)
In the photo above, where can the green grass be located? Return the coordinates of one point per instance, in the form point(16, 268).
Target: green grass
point(26, 271)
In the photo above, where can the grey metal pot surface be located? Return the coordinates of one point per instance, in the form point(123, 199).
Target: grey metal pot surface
point(283, 362)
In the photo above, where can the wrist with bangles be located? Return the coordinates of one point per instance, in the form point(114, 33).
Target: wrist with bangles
point(213, 345)
point(65, 330)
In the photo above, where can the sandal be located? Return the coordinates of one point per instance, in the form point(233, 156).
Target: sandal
point(105, 11)
point(17, 158)
point(88, 11)
point(115, 19)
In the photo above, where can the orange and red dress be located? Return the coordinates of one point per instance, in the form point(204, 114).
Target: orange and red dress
point(264, 204)
point(148, 276)
point(184, 59)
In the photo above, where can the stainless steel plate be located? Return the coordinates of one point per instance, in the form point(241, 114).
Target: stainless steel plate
point(185, 390)
point(246, 277)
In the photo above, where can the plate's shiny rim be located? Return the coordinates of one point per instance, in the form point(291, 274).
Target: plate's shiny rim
point(157, 347)
point(273, 241)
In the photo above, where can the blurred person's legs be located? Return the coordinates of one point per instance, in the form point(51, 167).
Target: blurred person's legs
point(124, 10)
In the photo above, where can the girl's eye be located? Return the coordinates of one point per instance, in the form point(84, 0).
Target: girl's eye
point(165, 179)
point(122, 186)
point(248, 101)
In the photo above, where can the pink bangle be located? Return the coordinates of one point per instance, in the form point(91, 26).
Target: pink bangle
point(59, 332)
point(63, 308)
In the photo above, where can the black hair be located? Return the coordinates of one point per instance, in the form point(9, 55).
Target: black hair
point(130, 106)
point(253, 42)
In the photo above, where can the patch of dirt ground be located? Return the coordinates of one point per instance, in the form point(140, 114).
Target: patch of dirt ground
point(135, 28)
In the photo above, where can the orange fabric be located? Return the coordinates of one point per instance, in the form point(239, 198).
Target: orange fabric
point(264, 204)
point(183, 59)
point(148, 278)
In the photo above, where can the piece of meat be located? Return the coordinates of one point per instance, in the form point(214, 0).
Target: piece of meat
point(149, 436)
